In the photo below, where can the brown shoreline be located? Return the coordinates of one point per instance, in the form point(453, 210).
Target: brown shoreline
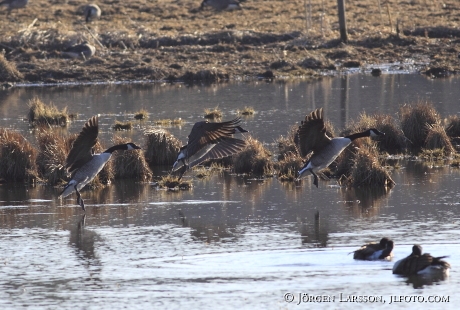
point(176, 41)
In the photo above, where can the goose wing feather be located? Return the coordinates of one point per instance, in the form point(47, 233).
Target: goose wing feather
point(204, 133)
point(226, 147)
point(311, 135)
point(81, 151)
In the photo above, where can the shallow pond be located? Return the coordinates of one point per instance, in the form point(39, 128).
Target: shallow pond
point(230, 241)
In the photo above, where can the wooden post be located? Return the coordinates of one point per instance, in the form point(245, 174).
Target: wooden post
point(342, 21)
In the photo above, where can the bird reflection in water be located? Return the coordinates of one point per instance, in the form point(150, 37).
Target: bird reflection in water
point(315, 235)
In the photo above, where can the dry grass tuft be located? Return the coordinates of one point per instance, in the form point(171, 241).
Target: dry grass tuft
point(394, 141)
point(8, 71)
point(414, 121)
point(453, 126)
point(438, 139)
point(254, 159)
point(213, 113)
point(287, 145)
point(130, 164)
point(173, 182)
point(122, 126)
point(44, 115)
point(17, 157)
point(247, 111)
point(141, 115)
point(367, 170)
point(162, 147)
point(53, 149)
point(288, 167)
point(107, 173)
point(169, 122)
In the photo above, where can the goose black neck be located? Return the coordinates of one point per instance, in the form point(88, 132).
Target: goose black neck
point(358, 135)
point(115, 147)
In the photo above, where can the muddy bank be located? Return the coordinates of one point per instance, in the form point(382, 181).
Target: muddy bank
point(176, 40)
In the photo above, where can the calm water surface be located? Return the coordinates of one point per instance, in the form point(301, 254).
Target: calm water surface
point(230, 241)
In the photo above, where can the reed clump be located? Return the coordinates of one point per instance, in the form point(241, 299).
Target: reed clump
point(253, 159)
point(8, 71)
point(213, 113)
point(52, 153)
point(141, 115)
point(130, 164)
point(287, 144)
point(393, 142)
point(453, 126)
point(247, 111)
point(119, 126)
point(367, 170)
point(43, 115)
point(173, 182)
point(17, 158)
point(169, 122)
point(437, 139)
point(161, 147)
point(288, 167)
point(414, 121)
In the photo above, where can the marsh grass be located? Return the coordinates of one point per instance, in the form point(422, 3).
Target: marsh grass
point(437, 139)
point(247, 111)
point(286, 144)
point(288, 167)
point(453, 126)
point(169, 122)
point(367, 170)
point(119, 126)
point(130, 164)
point(173, 182)
point(431, 155)
point(393, 142)
point(43, 115)
point(213, 113)
point(141, 115)
point(414, 121)
point(8, 71)
point(161, 147)
point(52, 153)
point(254, 159)
point(17, 158)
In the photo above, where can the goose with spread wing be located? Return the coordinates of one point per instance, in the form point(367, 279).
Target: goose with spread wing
point(209, 141)
point(375, 251)
point(311, 137)
point(83, 164)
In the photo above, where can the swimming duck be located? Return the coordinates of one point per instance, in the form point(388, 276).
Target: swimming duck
point(83, 164)
point(92, 12)
point(221, 4)
point(209, 141)
point(312, 137)
point(421, 264)
point(375, 251)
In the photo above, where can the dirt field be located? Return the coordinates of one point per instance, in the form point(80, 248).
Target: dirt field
point(175, 40)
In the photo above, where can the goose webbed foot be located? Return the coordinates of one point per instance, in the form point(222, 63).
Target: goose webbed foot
point(315, 176)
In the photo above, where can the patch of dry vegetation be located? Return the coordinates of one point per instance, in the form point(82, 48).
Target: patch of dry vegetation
point(254, 159)
point(169, 122)
point(43, 115)
point(52, 153)
point(247, 111)
point(453, 126)
point(161, 147)
point(173, 182)
point(141, 115)
point(119, 126)
point(213, 113)
point(438, 139)
point(288, 167)
point(130, 164)
point(287, 145)
point(415, 122)
point(8, 71)
point(17, 157)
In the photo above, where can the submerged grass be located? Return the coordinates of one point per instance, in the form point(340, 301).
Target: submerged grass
point(43, 115)
point(173, 182)
point(17, 158)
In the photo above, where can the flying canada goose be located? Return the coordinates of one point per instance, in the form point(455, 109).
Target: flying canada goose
point(83, 50)
point(421, 264)
point(221, 5)
point(209, 141)
point(14, 4)
point(375, 251)
point(83, 164)
point(92, 12)
point(312, 137)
